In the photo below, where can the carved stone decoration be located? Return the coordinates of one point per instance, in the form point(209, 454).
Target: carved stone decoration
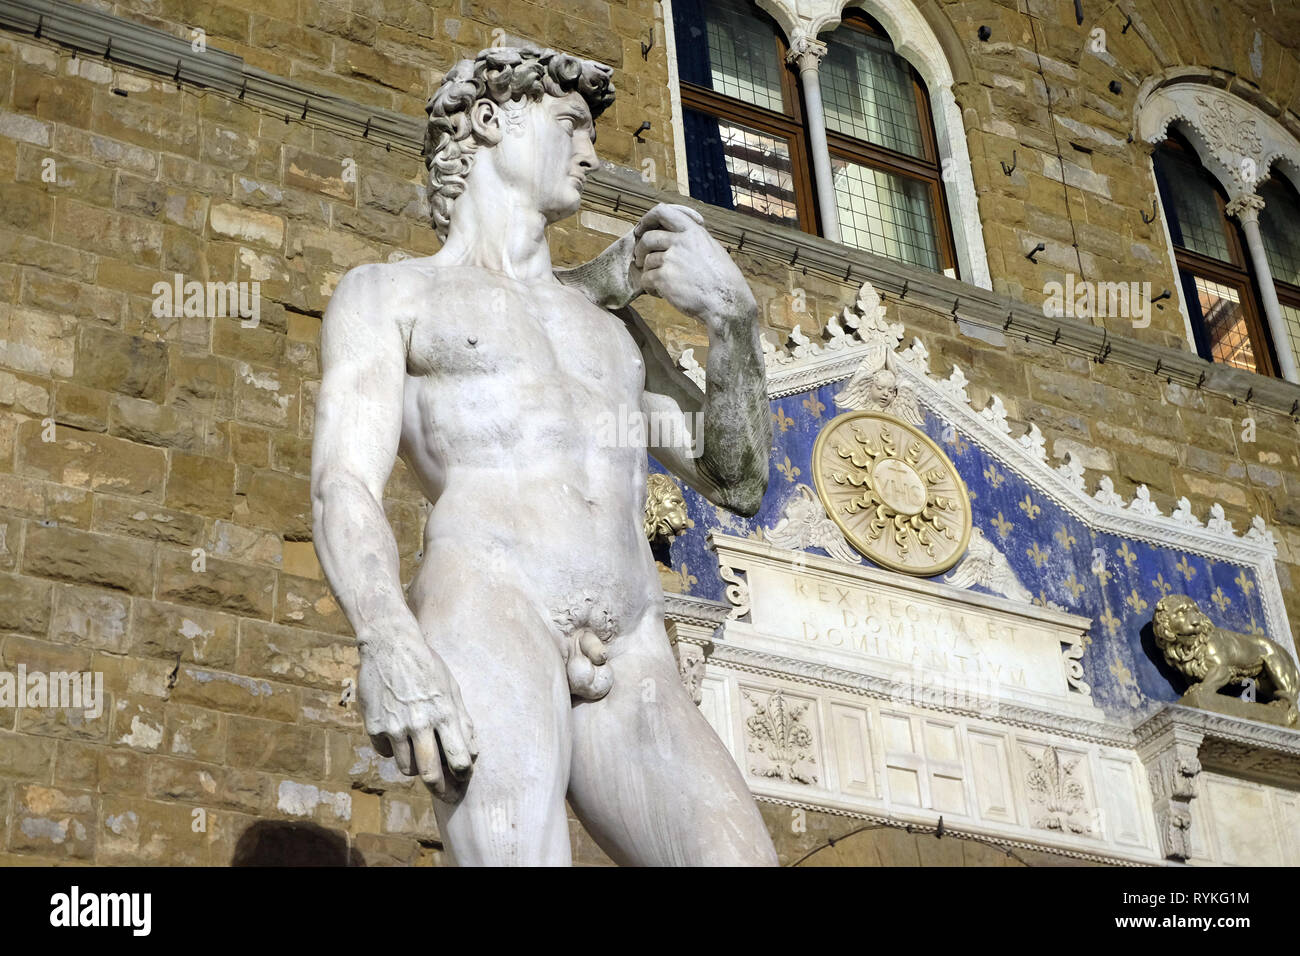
point(1056, 795)
point(1236, 141)
point(988, 567)
point(690, 665)
point(1106, 493)
point(1071, 472)
point(806, 51)
point(737, 592)
point(1143, 504)
point(876, 387)
point(1172, 768)
point(805, 524)
point(779, 738)
point(1212, 658)
point(1072, 655)
point(665, 510)
point(893, 492)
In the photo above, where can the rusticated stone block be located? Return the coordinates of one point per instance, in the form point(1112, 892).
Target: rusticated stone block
point(220, 584)
point(53, 823)
point(203, 485)
point(90, 461)
point(102, 560)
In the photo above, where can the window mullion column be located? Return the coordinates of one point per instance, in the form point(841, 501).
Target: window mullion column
point(807, 51)
point(1246, 209)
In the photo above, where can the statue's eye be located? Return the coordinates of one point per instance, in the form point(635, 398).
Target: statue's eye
point(568, 123)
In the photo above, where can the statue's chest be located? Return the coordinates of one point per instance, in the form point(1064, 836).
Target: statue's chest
point(527, 338)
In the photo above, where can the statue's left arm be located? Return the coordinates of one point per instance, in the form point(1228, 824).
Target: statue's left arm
point(718, 440)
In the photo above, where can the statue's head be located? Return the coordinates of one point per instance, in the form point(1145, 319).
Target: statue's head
point(535, 110)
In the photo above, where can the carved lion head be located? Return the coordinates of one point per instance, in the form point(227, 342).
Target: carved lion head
point(665, 508)
point(1178, 618)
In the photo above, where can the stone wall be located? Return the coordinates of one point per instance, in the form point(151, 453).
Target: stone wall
point(154, 513)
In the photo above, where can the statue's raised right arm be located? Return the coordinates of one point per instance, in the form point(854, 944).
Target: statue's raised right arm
point(410, 701)
point(728, 428)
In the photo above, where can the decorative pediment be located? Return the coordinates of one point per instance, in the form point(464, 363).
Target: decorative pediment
point(1042, 532)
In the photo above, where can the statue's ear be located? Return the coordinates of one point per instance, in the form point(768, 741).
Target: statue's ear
point(485, 119)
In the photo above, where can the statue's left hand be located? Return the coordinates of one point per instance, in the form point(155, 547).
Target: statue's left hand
point(676, 259)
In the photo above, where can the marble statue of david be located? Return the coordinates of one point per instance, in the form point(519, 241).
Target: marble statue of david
point(528, 661)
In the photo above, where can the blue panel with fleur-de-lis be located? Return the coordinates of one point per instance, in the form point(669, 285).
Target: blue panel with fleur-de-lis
point(1061, 561)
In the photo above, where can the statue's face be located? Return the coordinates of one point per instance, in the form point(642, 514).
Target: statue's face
point(547, 148)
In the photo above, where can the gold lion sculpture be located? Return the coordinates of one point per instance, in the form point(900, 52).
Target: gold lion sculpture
point(665, 509)
point(1213, 657)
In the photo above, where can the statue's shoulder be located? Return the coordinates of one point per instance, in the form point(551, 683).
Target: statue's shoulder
point(384, 288)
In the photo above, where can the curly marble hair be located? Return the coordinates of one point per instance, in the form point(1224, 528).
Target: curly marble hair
point(503, 75)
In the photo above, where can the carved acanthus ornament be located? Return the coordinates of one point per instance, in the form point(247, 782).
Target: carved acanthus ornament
point(1172, 768)
point(777, 732)
point(1246, 207)
point(1056, 792)
point(806, 51)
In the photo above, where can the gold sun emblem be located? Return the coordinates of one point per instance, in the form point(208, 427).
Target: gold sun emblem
point(893, 492)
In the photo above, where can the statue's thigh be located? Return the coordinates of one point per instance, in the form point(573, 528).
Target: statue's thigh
point(512, 682)
point(651, 781)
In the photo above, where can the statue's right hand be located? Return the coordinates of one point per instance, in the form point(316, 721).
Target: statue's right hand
point(413, 712)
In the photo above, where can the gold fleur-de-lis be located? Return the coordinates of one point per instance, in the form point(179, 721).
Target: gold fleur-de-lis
point(995, 477)
point(1255, 628)
point(1161, 585)
point(1102, 573)
point(1134, 600)
point(1221, 600)
point(1186, 570)
point(1074, 586)
point(1031, 509)
point(814, 405)
point(782, 419)
point(686, 578)
point(1064, 538)
point(789, 469)
point(1110, 622)
point(1246, 584)
point(1003, 525)
point(1126, 554)
point(1041, 600)
point(1038, 555)
point(1121, 673)
point(953, 439)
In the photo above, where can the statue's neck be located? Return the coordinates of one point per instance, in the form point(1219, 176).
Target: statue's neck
point(496, 228)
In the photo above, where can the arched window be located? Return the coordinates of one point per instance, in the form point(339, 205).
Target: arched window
point(1219, 283)
point(888, 187)
point(1279, 223)
point(741, 112)
point(747, 141)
